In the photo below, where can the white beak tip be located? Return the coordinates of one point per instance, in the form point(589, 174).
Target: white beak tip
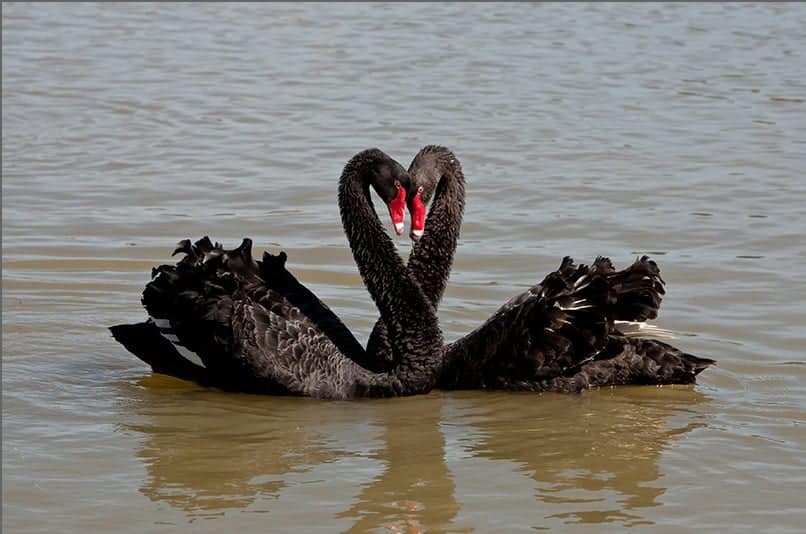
point(417, 233)
point(399, 227)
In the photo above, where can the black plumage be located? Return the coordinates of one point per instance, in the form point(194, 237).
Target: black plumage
point(246, 325)
point(560, 335)
point(254, 327)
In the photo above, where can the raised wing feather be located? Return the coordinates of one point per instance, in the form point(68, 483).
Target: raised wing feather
point(250, 325)
point(546, 331)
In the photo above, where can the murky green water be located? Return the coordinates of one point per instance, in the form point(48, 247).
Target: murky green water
point(675, 130)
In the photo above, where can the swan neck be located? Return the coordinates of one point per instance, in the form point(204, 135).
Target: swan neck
point(432, 256)
point(414, 332)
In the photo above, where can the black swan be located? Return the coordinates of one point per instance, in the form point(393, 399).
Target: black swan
point(222, 319)
point(561, 335)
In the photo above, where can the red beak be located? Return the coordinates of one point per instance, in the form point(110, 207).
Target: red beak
point(417, 216)
point(397, 209)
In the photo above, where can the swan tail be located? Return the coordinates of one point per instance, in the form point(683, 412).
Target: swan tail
point(638, 289)
point(644, 362)
point(622, 362)
point(145, 341)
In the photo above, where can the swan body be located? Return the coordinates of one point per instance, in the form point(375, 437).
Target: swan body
point(561, 336)
point(222, 319)
point(574, 330)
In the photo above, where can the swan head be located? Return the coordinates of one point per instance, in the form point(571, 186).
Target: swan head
point(426, 171)
point(392, 184)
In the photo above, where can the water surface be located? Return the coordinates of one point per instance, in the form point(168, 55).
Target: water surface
point(673, 130)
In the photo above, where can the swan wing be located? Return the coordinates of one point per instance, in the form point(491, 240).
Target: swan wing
point(250, 325)
point(191, 302)
point(283, 345)
point(547, 331)
point(638, 289)
point(561, 335)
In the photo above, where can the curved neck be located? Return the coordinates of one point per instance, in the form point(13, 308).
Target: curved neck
point(414, 333)
point(431, 258)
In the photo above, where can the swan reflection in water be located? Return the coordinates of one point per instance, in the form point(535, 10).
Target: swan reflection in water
point(412, 464)
point(594, 458)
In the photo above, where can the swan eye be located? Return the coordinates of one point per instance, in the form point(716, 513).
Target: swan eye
point(419, 189)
